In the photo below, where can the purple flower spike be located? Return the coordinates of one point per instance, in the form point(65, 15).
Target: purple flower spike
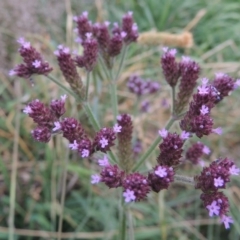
point(58, 106)
point(130, 28)
point(90, 53)
point(112, 176)
point(171, 150)
point(41, 134)
point(195, 152)
point(33, 62)
point(160, 178)
point(138, 184)
point(104, 140)
point(224, 85)
point(170, 67)
point(216, 203)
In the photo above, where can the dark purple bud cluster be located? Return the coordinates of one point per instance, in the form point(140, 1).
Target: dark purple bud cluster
point(212, 179)
point(109, 45)
point(189, 73)
point(141, 86)
point(112, 176)
point(197, 120)
point(46, 117)
point(224, 85)
point(170, 66)
point(135, 187)
point(69, 70)
point(170, 148)
point(194, 153)
point(130, 28)
point(33, 62)
point(90, 53)
point(104, 140)
point(124, 122)
point(161, 177)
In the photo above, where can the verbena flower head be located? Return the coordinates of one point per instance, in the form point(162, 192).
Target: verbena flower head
point(69, 70)
point(130, 28)
point(104, 140)
point(41, 134)
point(140, 86)
point(170, 150)
point(189, 73)
point(72, 129)
point(161, 177)
point(112, 176)
point(215, 176)
point(195, 152)
point(33, 62)
point(90, 53)
point(170, 67)
point(138, 184)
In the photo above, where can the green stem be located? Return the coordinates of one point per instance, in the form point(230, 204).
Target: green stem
point(62, 86)
point(153, 146)
point(63, 193)
point(14, 167)
point(130, 222)
point(123, 221)
point(161, 209)
point(173, 100)
point(87, 85)
point(91, 116)
point(125, 47)
point(114, 96)
point(184, 179)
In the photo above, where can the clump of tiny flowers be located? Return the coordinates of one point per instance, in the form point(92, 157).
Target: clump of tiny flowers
point(210, 181)
point(98, 41)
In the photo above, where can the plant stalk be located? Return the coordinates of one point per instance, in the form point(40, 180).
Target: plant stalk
point(14, 167)
point(63, 193)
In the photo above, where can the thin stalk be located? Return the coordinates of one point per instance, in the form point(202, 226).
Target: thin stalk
point(184, 179)
point(153, 146)
point(122, 233)
point(125, 47)
point(173, 100)
point(63, 193)
point(130, 221)
point(114, 96)
point(91, 116)
point(161, 208)
point(62, 86)
point(14, 168)
point(87, 85)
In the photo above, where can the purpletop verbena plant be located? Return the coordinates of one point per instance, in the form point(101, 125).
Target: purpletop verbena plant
point(102, 46)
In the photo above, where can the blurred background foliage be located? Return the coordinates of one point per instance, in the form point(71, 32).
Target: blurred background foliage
point(91, 212)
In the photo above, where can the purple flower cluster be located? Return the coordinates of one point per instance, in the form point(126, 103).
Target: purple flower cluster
point(186, 71)
point(171, 148)
point(109, 45)
point(194, 153)
point(33, 62)
point(212, 179)
point(69, 70)
point(50, 122)
point(140, 86)
point(197, 119)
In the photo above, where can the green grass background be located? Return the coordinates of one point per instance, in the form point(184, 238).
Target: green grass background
point(93, 210)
